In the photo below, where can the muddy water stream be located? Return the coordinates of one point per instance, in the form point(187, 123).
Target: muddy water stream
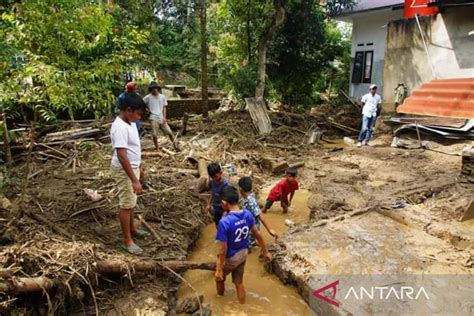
point(265, 292)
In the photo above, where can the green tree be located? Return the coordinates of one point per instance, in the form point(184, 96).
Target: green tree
point(75, 52)
point(306, 49)
point(247, 29)
point(238, 24)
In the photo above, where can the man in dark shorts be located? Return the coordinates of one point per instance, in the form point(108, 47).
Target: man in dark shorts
point(232, 236)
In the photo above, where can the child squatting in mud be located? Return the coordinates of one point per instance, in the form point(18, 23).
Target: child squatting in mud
point(284, 187)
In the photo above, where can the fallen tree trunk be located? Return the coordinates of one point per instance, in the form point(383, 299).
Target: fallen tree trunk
point(201, 183)
point(185, 171)
point(342, 127)
point(284, 147)
point(297, 165)
point(289, 127)
point(273, 165)
point(121, 266)
point(202, 168)
point(151, 154)
point(12, 284)
point(73, 134)
point(184, 124)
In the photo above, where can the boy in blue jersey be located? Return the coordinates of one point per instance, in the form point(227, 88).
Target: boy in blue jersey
point(233, 238)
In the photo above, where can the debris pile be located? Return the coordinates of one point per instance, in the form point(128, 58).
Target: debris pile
point(451, 128)
point(59, 226)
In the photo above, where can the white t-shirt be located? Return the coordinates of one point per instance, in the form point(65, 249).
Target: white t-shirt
point(370, 106)
point(124, 135)
point(156, 103)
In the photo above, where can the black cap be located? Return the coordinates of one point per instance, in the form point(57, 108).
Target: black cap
point(153, 85)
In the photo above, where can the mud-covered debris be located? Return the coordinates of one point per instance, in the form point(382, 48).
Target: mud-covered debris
point(93, 195)
point(5, 203)
point(189, 304)
point(289, 223)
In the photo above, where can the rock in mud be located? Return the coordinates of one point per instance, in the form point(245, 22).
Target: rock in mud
point(206, 311)
point(5, 203)
point(189, 304)
point(289, 222)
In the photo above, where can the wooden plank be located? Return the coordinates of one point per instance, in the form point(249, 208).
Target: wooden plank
point(259, 114)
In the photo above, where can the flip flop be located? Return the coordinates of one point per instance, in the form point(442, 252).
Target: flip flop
point(141, 233)
point(133, 250)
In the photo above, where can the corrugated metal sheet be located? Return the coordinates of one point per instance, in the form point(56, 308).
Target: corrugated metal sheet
point(431, 121)
point(445, 97)
point(369, 5)
point(363, 5)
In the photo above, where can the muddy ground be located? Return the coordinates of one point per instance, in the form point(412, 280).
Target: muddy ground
point(53, 229)
point(379, 211)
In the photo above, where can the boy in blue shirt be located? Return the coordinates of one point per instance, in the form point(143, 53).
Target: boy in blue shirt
point(233, 238)
point(216, 183)
point(249, 203)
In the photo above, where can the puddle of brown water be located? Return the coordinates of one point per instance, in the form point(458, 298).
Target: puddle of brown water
point(265, 292)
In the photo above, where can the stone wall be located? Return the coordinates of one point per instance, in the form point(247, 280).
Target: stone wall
point(177, 107)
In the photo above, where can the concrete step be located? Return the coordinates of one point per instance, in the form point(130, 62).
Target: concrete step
point(442, 97)
point(448, 85)
point(469, 80)
point(444, 94)
point(444, 102)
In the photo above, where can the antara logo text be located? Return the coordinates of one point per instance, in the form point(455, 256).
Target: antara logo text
point(373, 293)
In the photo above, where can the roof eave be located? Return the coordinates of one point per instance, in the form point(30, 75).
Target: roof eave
point(346, 16)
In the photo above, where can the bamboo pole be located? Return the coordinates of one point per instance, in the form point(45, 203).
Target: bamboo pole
point(6, 137)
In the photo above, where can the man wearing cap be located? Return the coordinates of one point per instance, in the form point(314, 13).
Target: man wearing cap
point(372, 104)
point(156, 103)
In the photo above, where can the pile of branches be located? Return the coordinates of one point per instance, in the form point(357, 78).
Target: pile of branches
point(64, 223)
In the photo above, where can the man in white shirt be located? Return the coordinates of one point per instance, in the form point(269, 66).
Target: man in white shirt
point(372, 103)
point(125, 169)
point(156, 103)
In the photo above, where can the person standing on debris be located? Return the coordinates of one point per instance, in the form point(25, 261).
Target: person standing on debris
point(233, 240)
point(249, 203)
point(130, 88)
point(216, 184)
point(125, 169)
point(372, 106)
point(156, 103)
point(284, 187)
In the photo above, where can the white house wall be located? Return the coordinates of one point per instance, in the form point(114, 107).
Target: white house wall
point(371, 27)
point(450, 40)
